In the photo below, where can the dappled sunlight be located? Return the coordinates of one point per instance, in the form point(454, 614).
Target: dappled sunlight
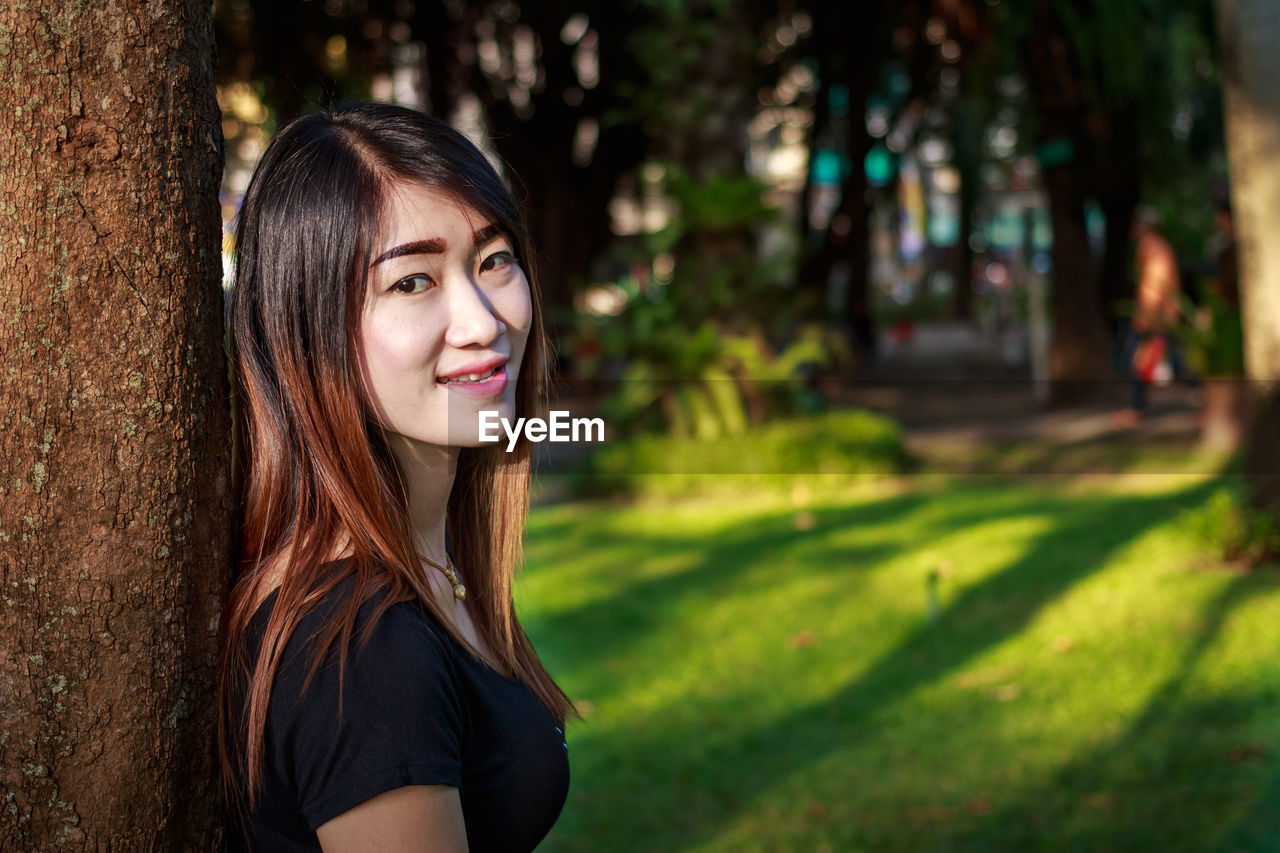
point(806, 684)
point(1013, 718)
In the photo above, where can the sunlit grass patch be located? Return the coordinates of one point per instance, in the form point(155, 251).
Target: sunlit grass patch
point(782, 673)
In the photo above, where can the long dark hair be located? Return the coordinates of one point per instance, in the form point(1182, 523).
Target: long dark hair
point(315, 471)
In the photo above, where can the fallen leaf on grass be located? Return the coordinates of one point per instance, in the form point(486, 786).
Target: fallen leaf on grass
point(1246, 752)
point(1007, 692)
point(1101, 801)
point(985, 676)
point(924, 815)
point(802, 640)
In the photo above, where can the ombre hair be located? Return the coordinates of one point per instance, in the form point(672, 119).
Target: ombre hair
point(316, 475)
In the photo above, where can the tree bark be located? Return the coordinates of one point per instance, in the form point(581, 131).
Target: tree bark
point(1078, 350)
point(848, 44)
point(1119, 189)
point(1248, 30)
point(966, 135)
point(114, 426)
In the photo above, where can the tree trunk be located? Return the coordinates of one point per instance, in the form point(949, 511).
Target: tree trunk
point(848, 43)
point(1119, 187)
point(1077, 351)
point(1249, 30)
point(855, 250)
point(966, 135)
point(114, 417)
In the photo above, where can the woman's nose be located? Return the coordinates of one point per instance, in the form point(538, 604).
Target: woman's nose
point(472, 320)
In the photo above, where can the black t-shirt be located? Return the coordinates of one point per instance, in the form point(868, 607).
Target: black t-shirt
point(417, 709)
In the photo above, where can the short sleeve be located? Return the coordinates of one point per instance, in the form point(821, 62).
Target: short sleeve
point(401, 723)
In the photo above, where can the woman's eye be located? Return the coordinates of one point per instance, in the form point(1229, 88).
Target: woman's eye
point(498, 261)
point(413, 284)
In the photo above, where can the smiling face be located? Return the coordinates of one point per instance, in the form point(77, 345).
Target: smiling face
point(446, 296)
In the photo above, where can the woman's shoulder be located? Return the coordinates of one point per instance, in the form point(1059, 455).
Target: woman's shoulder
point(387, 640)
point(393, 713)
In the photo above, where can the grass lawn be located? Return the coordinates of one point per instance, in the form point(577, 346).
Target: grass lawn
point(763, 673)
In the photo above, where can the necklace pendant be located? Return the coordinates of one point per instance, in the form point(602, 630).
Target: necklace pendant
point(448, 570)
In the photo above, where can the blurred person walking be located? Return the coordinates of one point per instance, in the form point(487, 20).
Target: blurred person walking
point(1151, 352)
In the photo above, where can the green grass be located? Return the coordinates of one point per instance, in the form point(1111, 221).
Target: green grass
point(846, 447)
point(762, 674)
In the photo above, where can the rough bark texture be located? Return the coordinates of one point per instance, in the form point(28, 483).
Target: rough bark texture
point(114, 425)
point(1249, 31)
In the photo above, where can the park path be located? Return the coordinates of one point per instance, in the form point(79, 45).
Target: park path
point(950, 383)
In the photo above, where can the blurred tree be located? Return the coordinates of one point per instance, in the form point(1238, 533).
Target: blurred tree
point(938, 42)
point(114, 488)
point(704, 282)
point(862, 53)
point(1108, 81)
point(1079, 138)
point(1249, 31)
point(546, 82)
point(847, 49)
point(553, 78)
point(701, 66)
point(967, 120)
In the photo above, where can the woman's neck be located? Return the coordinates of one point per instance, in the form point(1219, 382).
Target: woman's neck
point(428, 471)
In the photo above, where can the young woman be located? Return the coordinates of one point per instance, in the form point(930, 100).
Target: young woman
point(377, 691)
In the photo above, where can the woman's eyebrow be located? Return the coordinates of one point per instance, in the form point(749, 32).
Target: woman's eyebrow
point(487, 234)
point(435, 246)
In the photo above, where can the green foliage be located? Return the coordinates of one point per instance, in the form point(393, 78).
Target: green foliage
point(679, 89)
point(1147, 71)
point(704, 385)
point(696, 350)
point(1103, 37)
point(718, 204)
point(674, 375)
point(833, 448)
point(1236, 531)
point(1183, 170)
point(771, 381)
point(1212, 335)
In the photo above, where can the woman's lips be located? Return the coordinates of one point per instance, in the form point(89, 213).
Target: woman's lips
point(491, 387)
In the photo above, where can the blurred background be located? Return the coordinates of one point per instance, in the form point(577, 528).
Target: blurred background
point(927, 517)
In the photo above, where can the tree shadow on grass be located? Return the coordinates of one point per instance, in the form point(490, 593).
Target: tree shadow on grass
point(1178, 778)
point(734, 563)
point(694, 801)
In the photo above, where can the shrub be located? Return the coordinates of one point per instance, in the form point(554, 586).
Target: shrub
point(829, 449)
point(1242, 534)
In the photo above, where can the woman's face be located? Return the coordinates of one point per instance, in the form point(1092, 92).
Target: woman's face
point(446, 297)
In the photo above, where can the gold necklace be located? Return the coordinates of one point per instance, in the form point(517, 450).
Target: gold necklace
point(450, 572)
